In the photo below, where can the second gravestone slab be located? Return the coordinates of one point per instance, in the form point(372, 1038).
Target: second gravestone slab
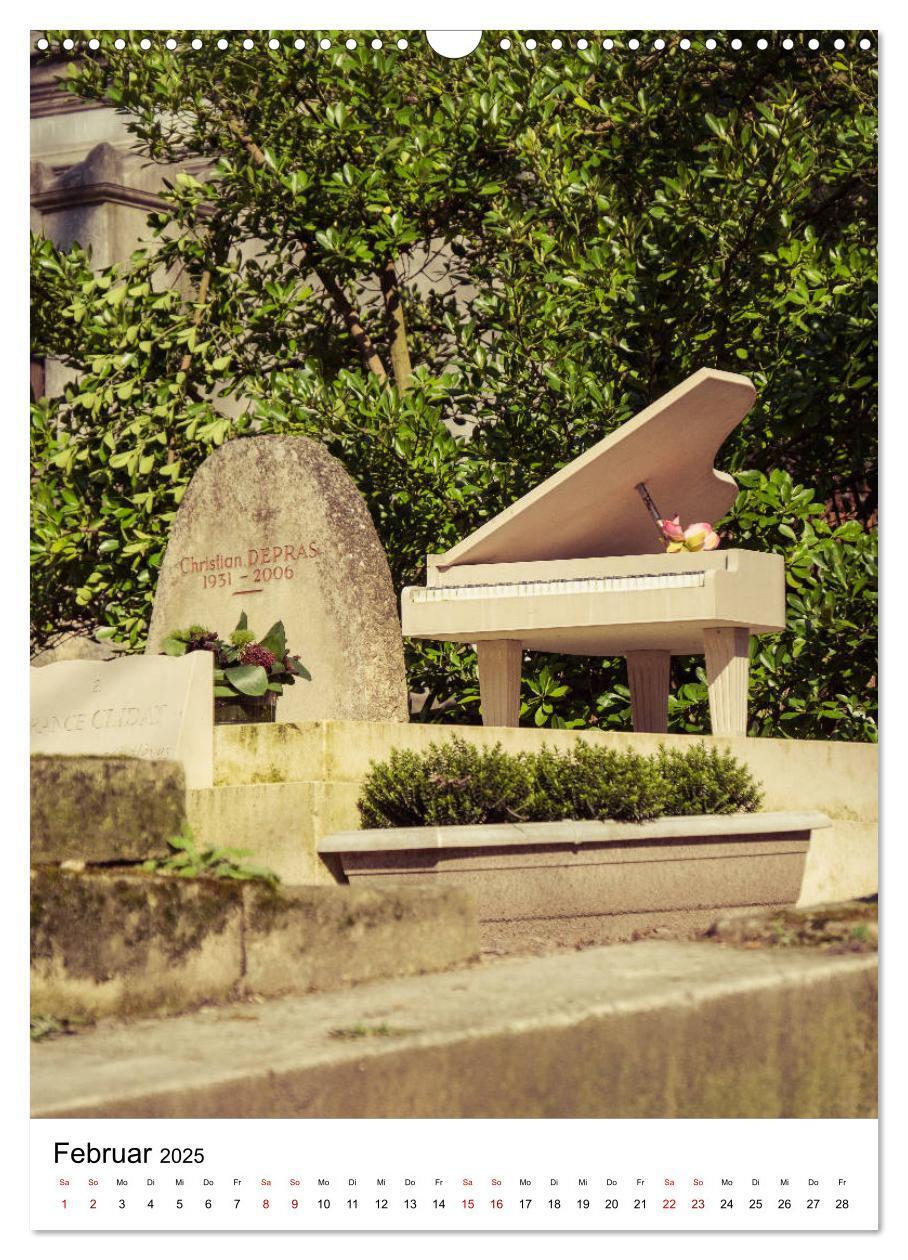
point(275, 527)
point(157, 708)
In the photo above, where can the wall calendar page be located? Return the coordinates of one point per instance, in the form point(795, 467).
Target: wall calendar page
point(453, 629)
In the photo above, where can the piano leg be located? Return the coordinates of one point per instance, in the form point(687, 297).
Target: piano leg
point(648, 679)
point(500, 662)
point(727, 670)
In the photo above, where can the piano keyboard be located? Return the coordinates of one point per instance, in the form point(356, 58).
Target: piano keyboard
point(557, 586)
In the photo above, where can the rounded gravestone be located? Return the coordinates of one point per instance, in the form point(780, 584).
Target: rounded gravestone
point(275, 527)
point(75, 647)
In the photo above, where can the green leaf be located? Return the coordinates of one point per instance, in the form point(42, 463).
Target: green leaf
point(275, 641)
point(251, 680)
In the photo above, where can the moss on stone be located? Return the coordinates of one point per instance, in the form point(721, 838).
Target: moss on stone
point(101, 924)
point(265, 907)
point(100, 809)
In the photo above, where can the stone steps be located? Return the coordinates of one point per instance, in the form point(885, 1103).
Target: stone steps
point(281, 823)
point(127, 944)
point(653, 1029)
point(108, 938)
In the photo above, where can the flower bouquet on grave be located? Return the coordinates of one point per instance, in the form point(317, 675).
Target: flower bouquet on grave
point(249, 673)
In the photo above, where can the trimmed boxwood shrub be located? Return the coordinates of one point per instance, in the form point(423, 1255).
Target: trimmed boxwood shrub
point(703, 780)
point(455, 782)
point(591, 783)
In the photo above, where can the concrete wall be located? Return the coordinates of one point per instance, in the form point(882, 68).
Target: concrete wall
point(280, 787)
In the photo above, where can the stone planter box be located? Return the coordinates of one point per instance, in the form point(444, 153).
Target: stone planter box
point(576, 882)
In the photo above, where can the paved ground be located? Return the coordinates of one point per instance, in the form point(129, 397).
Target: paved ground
point(652, 1028)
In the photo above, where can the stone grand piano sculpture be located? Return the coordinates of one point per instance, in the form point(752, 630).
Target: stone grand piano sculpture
point(577, 566)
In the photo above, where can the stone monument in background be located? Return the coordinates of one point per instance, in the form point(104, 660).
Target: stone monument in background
point(274, 526)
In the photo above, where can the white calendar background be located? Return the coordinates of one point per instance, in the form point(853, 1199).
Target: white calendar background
point(457, 1175)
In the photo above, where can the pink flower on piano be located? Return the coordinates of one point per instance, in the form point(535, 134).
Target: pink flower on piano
point(698, 537)
point(672, 529)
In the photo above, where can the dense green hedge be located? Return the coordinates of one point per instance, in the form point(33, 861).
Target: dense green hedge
point(456, 782)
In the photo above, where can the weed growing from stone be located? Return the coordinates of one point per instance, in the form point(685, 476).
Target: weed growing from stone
point(186, 861)
point(43, 1027)
point(357, 1031)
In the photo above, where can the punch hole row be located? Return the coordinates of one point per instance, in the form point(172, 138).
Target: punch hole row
point(557, 44)
point(223, 44)
point(659, 44)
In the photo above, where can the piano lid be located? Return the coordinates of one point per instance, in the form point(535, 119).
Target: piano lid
point(591, 506)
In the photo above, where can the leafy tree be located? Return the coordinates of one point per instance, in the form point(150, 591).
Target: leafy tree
point(597, 223)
